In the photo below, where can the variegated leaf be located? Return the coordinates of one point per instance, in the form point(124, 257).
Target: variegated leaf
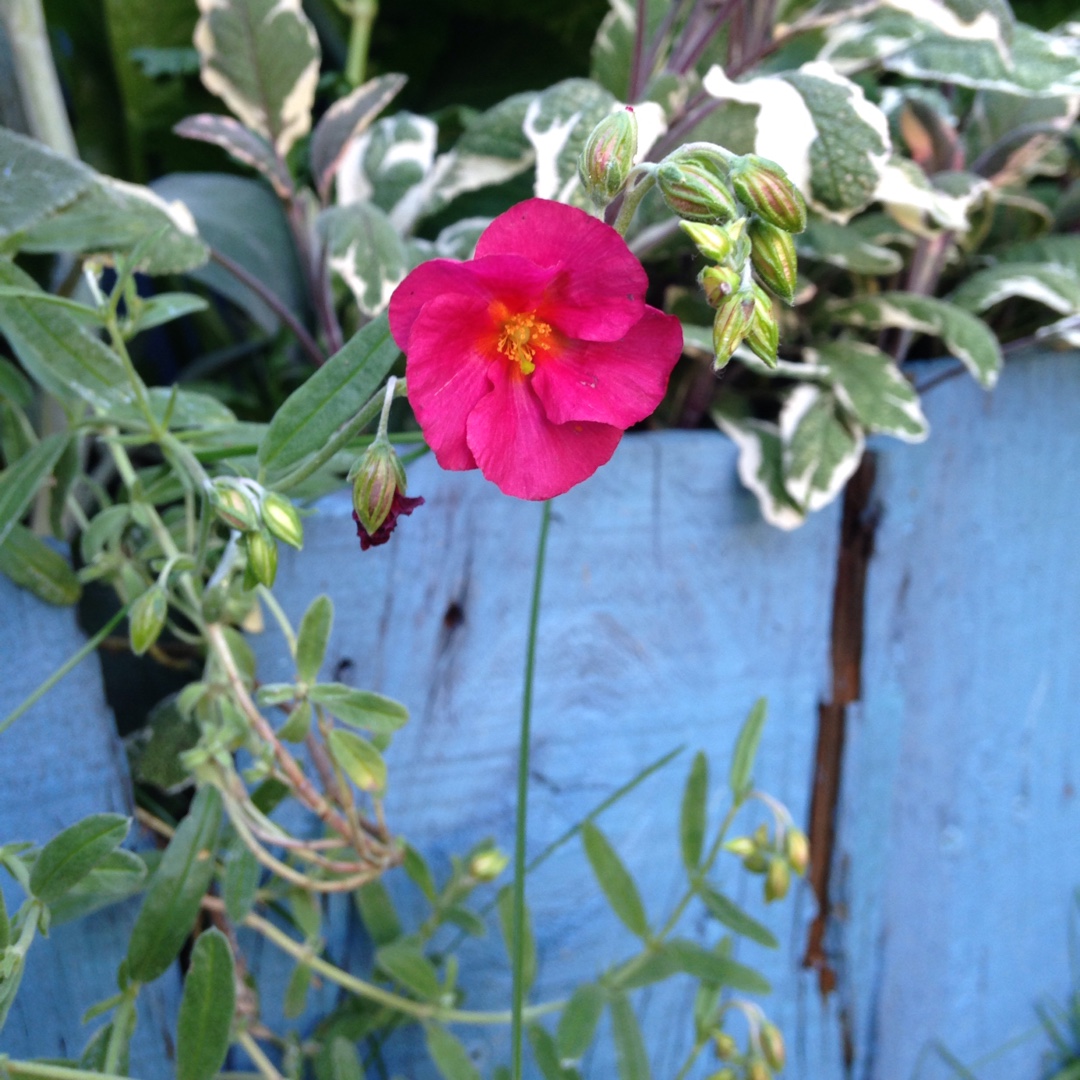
point(1054, 286)
point(613, 47)
point(966, 337)
point(261, 57)
point(869, 386)
point(242, 143)
point(821, 447)
point(344, 121)
point(1061, 252)
point(839, 245)
point(923, 208)
point(365, 251)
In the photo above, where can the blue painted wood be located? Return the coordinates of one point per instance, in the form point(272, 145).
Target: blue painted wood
point(961, 809)
point(58, 763)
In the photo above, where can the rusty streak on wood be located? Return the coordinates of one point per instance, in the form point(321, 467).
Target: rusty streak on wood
point(856, 547)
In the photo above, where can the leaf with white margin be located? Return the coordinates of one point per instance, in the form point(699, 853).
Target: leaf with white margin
point(966, 337)
point(838, 245)
point(1053, 286)
point(820, 128)
point(242, 144)
point(1065, 333)
point(613, 46)
point(821, 449)
point(365, 251)
point(920, 206)
point(1062, 252)
point(869, 385)
point(261, 57)
point(761, 468)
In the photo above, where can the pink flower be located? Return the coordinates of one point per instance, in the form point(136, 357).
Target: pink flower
point(529, 361)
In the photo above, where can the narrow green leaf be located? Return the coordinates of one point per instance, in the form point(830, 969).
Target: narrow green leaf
point(363, 764)
point(734, 918)
point(419, 872)
point(165, 307)
point(14, 385)
point(692, 818)
point(361, 708)
point(654, 964)
point(306, 912)
point(206, 1012)
point(20, 482)
point(296, 991)
point(505, 904)
point(176, 891)
point(377, 912)
point(466, 920)
point(545, 1053)
point(9, 983)
point(119, 875)
point(631, 1056)
point(405, 963)
point(694, 959)
point(329, 399)
point(29, 562)
point(5, 925)
point(450, 1057)
point(615, 880)
point(579, 1020)
point(338, 1060)
point(241, 882)
point(746, 745)
point(312, 638)
point(69, 856)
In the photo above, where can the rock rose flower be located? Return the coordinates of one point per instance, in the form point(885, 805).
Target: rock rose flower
point(529, 361)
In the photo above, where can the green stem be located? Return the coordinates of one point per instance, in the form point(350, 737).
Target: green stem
point(42, 1071)
point(634, 195)
point(688, 1064)
point(518, 989)
point(123, 1024)
point(254, 1051)
point(363, 15)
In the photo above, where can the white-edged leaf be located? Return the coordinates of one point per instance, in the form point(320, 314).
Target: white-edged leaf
point(261, 57)
point(966, 337)
point(365, 251)
point(613, 46)
point(246, 146)
point(838, 245)
point(870, 386)
point(921, 206)
point(1052, 286)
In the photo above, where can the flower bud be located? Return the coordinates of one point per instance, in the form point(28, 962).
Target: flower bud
point(763, 337)
point(798, 850)
point(280, 517)
point(726, 1046)
point(234, 506)
point(488, 864)
point(723, 1074)
point(719, 282)
point(765, 188)
point(608, 156)
point(146, 619)
point(731, 325)
point(756, 863)
point(706, 155)
point(772, 252)
point(758, 1070)
point(741, 846)
point(712, 241)
point(379, 476)
point(694, 191)
point(772, 1046)
point(761, 835)
point(777, 880)
point(261, 556)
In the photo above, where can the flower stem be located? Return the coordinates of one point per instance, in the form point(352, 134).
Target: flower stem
point(634, 194)
point(363, 15)
point(518, 990)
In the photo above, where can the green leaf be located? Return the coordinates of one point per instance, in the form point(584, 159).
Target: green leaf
point(695, 960)
point(631, 1055)
point(838, 245)
point(242, 873)
point(312, 638)
point(692, 817)
point(615, 881)
point(406, 964)
point(9, 982)
point(365, 250)
point(579, 1020)
point(363, 764)
point(14, 385)
point(5, 925)
point(20, 482)
point(204, 1023)
point(654, 964)
point(419, 872)
point(338, 1060)
point(746, 747)
point(734, 918)
point(164, 308)
point(36, 183)
point(261, 57)
point(296, 991)
point(545, 1053)
point(450, 1057)
point(329, 399)
point(119, 875)
point(172, 901)
point(466, 920)
point(377, 912)
point(966, 337)
point(361, 708)
point(31, 564)
point(505, 904)
point(1054, 286)
point(62, 356)
point(69, 856)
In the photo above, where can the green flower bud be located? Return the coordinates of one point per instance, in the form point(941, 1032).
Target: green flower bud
point(146, 619)
point(726, 1046)
point(488, 864)
point(798, 850)
point(756, 863)
point(379, 475)
point(723, 1074)
point(765, 188)
point(280, 517)
point(705, 155)
point(758, 1070)
point(718, 283)
point(608, 156)
point(694, 191)
point(731, 324)
point(763, 337)
point(712, 241)
point(772, 1046)
point(234, 506)
point(777, 880)
point(261, 556)
point(772, 252)
point(741, 846)
point(761, 835)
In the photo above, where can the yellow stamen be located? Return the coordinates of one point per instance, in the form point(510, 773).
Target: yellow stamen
point(521, 336)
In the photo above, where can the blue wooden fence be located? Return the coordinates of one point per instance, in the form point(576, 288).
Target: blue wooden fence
point(668, 608)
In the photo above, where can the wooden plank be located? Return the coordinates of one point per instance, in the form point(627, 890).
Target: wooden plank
point(668, 608)
point(961, 813)
point(59, 762)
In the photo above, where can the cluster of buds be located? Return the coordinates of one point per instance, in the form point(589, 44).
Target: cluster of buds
point(764, 1055)
point(776, 857)
point(261, 518)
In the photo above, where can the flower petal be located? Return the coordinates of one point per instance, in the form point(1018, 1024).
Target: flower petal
point(517, 281)
point(521, 451)
point(611, 382)
point(447, 372)
point(600, 290)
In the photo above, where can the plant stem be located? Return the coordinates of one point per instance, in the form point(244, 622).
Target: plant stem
point(633, 197)
point(42, 1071)
point(254, 1051)
point(363, 15)
point(518, 989)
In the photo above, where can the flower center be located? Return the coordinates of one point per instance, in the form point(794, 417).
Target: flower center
point(521, 336)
